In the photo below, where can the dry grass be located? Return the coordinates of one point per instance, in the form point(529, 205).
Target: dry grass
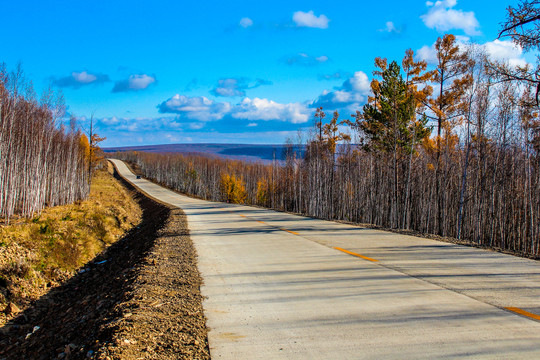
point(38, 253)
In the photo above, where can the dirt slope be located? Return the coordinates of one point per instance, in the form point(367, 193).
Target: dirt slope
point(140, 299)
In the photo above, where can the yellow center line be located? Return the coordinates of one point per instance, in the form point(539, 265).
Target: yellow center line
point(355, 254)
point(523, 312)
point(262, 222)
point(289, 231)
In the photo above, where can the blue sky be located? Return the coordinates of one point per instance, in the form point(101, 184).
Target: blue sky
point(157, 72)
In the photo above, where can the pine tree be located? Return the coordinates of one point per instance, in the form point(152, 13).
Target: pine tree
point(389, 123)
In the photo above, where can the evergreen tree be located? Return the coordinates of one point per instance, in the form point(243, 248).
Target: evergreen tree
point(389, 118)
point(390, 126)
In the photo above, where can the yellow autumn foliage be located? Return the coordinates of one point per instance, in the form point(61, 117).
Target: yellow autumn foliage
point(262, 191)
point(233, 189)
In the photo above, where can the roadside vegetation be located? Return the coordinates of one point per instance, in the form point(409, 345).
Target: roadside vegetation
point(41, 252)
point(450, 148)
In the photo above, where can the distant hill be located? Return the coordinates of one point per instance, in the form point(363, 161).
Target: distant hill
point(246, 152)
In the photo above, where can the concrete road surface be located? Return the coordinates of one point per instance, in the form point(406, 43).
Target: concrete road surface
point(281, 286)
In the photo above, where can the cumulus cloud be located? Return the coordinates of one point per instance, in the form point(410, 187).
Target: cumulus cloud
point(303, 59)
point(264, 109)
point(198, 107)
point(442, 17)
point(499, 50)
point(427, 53)
point(505, 50)
point(80, 79)
point(351, 94)
point(135, 82)
point(232, 87)
point(359, 83)
point(309, 19)
point(246, 22)
point(203, 109)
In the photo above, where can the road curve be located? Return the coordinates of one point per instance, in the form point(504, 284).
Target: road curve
point(281, 286)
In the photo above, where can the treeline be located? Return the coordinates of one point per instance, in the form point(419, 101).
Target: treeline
point(450, 150)
point(41, 162)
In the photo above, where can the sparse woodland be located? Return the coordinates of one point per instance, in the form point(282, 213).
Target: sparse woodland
point(41, 163)
point(450, 149)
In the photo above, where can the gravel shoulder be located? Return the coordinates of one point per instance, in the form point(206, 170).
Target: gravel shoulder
point(139, 299)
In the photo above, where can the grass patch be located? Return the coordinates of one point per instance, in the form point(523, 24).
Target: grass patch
point(38, 253)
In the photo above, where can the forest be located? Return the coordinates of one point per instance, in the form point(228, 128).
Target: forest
point(450, 149)
point(41, 162)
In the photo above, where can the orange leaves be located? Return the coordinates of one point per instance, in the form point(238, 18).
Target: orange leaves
point(96, 139)
point(417, 78)
point(329, 134)
point(429, 145)
point(382, 64)
point(90, 150)
point(375, 88)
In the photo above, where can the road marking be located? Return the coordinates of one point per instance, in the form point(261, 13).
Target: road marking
point(355, 254)
point(524, 313)
point(289, 231)
point(262, 222)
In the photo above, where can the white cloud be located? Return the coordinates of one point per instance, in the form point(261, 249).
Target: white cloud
point(427, 53)
point(350, 95)
point(359, 82)
point(83, 77)
point(264, 109)
point(308, 19)
point(505, 50)
point(246, 22)
point(198, 108)
point(135, 82)
point(203, 109)
point(232, 87)
point(139, 82)
point(442, 17)
point(499, 50)
point(79, 79)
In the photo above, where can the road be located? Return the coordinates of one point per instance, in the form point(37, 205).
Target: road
point(281, 286)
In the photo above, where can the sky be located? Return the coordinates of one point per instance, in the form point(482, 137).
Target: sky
point(159, 72)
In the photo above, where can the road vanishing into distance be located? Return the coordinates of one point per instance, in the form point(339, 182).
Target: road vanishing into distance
point(281, 286)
